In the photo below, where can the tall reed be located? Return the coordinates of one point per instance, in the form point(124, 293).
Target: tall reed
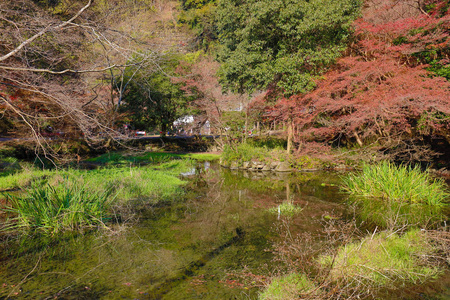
point(391, 195)
point(51, 210)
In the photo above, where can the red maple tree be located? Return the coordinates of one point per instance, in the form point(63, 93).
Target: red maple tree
point(381, 90)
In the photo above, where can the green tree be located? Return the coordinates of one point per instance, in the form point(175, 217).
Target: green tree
point(287, 42)
point(199, 16)
point(152, 99)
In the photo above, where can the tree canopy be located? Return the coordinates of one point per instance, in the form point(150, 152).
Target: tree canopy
point(287, 42)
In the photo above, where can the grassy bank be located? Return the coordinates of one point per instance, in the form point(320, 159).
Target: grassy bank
point(62, 199)
point(266, 151)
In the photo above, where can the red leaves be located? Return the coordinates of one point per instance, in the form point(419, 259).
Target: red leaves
point(381, 89)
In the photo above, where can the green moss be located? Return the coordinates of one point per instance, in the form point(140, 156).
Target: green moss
point(290, 286)
point(385, 260)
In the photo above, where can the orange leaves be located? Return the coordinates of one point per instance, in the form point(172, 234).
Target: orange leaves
point(382, 88)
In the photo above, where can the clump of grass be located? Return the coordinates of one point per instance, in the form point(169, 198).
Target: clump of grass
point(290, 286)
point(385, 260)
point(287, 208)
point(391, 196)
point(51, 210)
point(400, 183)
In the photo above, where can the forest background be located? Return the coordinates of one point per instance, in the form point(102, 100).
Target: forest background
point(358, 75)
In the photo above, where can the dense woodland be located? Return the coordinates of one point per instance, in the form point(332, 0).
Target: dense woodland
point(330, 74)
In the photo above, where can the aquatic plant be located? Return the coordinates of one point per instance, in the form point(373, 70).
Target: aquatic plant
point(384, 260)
point(54, 209)
point(290, 286)
point(287, 208)
point(390, 195)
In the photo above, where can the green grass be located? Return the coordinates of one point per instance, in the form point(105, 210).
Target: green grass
point(247, 151)
point(385, 260)
point(52, 210)
point(23, 178)
point(400, 183)
point(117, 158)
point(158, 180)
point(287, 208)
point(57, 200)
point(392, 196)
point(290, 286)
point(202, 156)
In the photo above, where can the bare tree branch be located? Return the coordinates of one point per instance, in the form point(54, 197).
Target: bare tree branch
point(43, 31)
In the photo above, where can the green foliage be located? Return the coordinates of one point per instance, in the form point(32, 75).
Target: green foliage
point(287, 208)
point(156, 181)
point(287, 42)
point(429, 121)
point(152, 99)
point(440, 70)
point(399, 183)
point(393, 196)
point(234, 121)
point(199, 16)
point(270, 142)
point(203, 156)
point(290, 286)
point(245, 152)
point(66, 207)
point(384, 260)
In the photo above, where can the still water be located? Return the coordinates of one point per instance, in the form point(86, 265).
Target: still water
point(216, 242)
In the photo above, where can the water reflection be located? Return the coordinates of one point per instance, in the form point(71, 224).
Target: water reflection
point(212, 244)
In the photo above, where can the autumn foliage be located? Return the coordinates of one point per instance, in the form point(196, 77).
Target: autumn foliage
point(385, 89)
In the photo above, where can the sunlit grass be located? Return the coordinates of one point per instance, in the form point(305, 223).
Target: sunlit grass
point(393, 196)
point(52, 210)
point(399, 183)
point(202, 156)
point(383, 260)
point(67, 199)
point(287, 208)
point(150, 181)
point(290, 286)
point(23, 178)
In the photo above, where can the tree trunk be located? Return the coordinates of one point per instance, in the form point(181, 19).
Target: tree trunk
point(290, 136)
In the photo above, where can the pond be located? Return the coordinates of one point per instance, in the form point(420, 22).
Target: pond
point(216, 242)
